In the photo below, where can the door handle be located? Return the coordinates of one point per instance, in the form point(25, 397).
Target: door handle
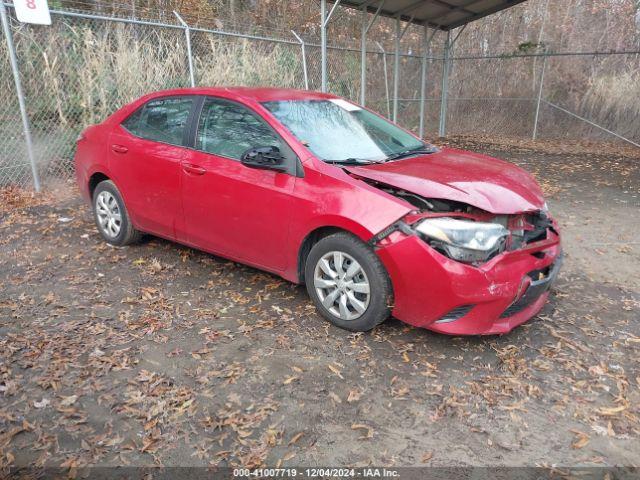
point(193, 169)
point(119, 148)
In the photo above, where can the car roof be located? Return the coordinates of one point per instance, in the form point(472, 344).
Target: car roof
point(259, 94)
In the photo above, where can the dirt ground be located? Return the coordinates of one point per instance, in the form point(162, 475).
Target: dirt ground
point(158, 354)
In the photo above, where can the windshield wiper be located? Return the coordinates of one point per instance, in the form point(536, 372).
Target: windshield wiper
point(414, 151)
point(351, 161)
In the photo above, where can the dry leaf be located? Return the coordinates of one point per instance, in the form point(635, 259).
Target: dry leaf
point(42, 403)
point(581, 439)
point(67, 401)
point(611, 411)
point(360, 426)
point(295, 438)
point(336, 370)
point(354, 395)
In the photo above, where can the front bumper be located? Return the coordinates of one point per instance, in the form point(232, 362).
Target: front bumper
point(435, 292)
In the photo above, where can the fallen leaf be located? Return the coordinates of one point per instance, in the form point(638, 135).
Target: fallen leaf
point(611, 411)
point(42, 403)
point(360, 426)
point(336, 370)
point(335, 397)
point(354, 395)
point(295, 438)
point(67, 401)
point(581, 439)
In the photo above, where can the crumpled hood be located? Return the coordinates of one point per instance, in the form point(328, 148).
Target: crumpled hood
point(484, 182)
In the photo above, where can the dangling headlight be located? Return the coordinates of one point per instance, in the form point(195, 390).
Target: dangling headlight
point(464, 240)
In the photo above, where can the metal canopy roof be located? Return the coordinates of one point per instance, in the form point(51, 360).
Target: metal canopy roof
point(442, 14)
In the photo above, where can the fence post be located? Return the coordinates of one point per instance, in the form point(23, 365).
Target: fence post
point(23, 108)
point(324, 21)
point(423, 76)
point(366, 26)
point(386, 77)
point(323, 45)
point(187, 34)
point(363, 58)
point(396, 67)
point(304, 59)
point(396, 71)
point(535, 122)
point(445, 85)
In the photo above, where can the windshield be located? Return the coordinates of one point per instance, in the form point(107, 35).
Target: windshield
point(338, 131)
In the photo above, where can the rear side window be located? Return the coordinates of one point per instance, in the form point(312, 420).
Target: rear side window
point(161, 120)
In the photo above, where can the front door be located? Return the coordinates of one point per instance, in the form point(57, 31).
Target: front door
point(231, 209)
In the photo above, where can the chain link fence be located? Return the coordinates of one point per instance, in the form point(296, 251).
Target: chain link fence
point(84, 67)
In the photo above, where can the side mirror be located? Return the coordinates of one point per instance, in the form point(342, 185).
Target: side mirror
point(265, 158)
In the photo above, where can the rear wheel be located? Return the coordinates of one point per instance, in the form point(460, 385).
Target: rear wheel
point(111, 215)
point(348, 283)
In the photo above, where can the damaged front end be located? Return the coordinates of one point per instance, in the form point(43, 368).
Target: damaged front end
point(462, 270)
point(465, 233)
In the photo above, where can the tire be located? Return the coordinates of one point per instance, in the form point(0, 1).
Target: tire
point(111, 217)
point(320, 268)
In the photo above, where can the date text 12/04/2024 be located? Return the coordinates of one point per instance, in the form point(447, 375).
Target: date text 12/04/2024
point(368, 472)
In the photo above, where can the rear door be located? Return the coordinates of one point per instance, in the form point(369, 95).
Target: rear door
point(229, 208)
point(146, 152)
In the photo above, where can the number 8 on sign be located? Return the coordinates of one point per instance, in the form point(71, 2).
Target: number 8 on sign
point(32, 11)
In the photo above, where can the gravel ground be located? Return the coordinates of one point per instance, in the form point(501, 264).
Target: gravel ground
point(157, 354)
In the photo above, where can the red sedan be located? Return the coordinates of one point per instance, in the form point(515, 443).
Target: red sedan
point(323, 192)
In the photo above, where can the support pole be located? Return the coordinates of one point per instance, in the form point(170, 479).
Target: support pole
point(363, 58)
point(446, 61)
point(18, 84)
point(366, 26)
point(325, 18)
point(540, 87)
point(386, 77)
point(396, 72)
point(304, 59)
point(187, 34)
point(423, 76)
point(323, 44)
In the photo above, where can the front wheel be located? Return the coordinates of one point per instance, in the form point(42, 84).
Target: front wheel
point(348, 283)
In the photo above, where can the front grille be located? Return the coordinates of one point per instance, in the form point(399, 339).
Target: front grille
point(455, 314)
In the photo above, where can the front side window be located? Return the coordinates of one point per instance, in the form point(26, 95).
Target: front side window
point(228, 129)
point(161, 120)
point(336, 130)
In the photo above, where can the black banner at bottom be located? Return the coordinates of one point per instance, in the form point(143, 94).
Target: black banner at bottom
point(328, 473)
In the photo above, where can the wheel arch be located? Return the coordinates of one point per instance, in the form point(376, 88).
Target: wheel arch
point(94, 180)
point(322, 231)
